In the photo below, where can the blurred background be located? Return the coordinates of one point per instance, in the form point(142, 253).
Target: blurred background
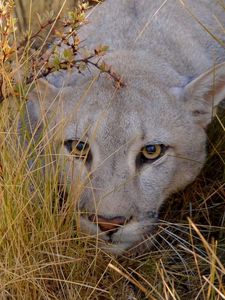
point(27, 10)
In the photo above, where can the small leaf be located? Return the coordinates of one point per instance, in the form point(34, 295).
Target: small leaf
point(68, 54)
point(104, 67)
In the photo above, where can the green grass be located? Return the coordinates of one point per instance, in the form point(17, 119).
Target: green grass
point(44, 256)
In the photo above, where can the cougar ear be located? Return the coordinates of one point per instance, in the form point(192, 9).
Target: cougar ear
point(40, 101)
point(43, 91)
point(205, 92)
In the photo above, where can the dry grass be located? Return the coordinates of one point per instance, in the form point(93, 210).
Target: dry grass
point(43, 255)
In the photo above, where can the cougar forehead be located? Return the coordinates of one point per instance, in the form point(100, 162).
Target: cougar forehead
point(138, 113)
point(114, 117)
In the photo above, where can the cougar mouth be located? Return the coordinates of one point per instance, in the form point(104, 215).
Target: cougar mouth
point(123, 239)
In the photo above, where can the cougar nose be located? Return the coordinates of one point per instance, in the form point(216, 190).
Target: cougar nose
point(106, 224)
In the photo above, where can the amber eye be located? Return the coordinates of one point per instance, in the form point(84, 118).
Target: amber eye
point(77, 148)
point(151, 152)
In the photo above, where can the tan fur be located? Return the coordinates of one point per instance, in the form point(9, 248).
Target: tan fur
point(167, 60)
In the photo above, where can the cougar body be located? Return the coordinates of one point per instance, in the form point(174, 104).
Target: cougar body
point(169, 55)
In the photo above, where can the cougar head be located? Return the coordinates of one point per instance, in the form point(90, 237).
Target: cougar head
point(129, 147)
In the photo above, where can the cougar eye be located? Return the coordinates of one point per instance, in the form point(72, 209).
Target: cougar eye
point(152, 152)
point(77, 148)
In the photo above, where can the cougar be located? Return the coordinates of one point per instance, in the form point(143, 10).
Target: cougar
point(131, 147)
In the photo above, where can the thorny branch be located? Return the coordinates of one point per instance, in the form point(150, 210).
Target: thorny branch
point(65, 52)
